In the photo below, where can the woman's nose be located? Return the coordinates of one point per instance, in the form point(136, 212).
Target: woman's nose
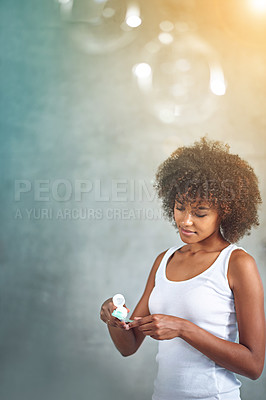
point(187, 219)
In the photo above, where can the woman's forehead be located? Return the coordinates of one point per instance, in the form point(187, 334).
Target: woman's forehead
point(193, 203)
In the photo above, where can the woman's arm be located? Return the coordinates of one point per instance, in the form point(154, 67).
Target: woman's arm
point(126, 340)
point(247, 356)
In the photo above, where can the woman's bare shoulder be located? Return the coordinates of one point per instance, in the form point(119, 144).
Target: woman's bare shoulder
point(158, 260)
point(242, 267)
point(240, 259)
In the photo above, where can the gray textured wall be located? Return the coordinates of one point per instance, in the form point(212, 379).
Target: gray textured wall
point(71, 111)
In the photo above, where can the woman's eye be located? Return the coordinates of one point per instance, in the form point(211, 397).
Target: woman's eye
point(180, 208)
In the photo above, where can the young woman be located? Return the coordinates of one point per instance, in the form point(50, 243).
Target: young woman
point(201, 295)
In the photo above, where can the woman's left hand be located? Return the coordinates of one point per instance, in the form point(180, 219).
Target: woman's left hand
point(158, 326)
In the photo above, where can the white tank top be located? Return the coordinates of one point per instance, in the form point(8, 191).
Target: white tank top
point(184, 373)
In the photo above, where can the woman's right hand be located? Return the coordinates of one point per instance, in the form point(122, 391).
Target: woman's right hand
point(106, 315)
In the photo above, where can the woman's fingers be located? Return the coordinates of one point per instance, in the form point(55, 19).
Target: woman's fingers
point(109, 319)
point(106, 315)
point(135, 323)
point(139, 321)
point(106, 311)
point(147, 325)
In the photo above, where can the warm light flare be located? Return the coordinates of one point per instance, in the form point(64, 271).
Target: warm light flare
point(258, 5)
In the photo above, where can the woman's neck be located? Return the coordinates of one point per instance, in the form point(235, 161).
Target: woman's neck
point(215, 242)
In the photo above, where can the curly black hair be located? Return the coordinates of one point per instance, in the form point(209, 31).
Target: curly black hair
point(207, 171)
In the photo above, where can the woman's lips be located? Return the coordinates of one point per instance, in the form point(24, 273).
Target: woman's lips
point(186, 232)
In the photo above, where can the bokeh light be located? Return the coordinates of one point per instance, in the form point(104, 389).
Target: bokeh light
point(133, 21)
point(99, 27)
point(133, 15)
point(180, 75)
point(166, 26)
point(217, 81)
point(165, 38)
point(143, 73)
point(142, 70)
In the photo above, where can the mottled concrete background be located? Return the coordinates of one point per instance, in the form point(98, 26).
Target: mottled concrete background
point(80, 144)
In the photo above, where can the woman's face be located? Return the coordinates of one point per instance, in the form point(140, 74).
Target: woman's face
point(196, 221)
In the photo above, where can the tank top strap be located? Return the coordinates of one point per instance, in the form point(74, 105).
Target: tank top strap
point(225, 258)
point(161, 269)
